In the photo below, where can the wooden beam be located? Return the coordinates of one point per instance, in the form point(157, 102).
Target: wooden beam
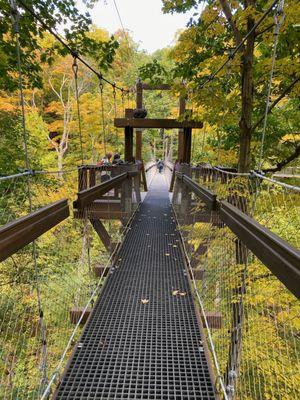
point(19, 233)
point(102, 233)
point(281, 258)
point(86, 197)
point(144, 123)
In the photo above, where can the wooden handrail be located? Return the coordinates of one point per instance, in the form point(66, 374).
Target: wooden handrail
point(19, 233)
point(281, 258)
point(87, 196)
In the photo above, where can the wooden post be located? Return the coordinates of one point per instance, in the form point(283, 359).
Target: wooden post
point(126, 195)
point(185, 204)
point(187, 145)
point(128, 144)
point(138, 137)
point(82, 178)
point(92, 171)
point(180, 132)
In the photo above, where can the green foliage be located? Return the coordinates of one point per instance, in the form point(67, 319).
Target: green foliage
point(53, 13)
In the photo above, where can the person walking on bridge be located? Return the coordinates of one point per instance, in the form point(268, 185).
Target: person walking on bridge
point(160, 166)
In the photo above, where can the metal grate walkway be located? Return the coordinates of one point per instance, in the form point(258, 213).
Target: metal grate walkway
point(137, 350)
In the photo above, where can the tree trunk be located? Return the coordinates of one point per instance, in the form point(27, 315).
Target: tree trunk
point(247, 101)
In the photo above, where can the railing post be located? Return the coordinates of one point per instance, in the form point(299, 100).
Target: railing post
point(185, 204)
point(126, 195)
point(92, 180)
point(82, 178)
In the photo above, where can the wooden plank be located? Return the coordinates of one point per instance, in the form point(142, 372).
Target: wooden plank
point(19, 233)
point(281, 258)
point(86, 197)
point(155, 123)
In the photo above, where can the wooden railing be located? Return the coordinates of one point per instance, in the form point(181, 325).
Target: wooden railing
point(17, 234)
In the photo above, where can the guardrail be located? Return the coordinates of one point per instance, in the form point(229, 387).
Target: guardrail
point(17, 234)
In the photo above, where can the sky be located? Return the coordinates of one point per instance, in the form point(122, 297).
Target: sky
point(143, 18)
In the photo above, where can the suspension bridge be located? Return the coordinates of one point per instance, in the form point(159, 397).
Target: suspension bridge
point(196, 297)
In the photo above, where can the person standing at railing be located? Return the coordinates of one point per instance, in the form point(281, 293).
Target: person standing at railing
point(117, 159)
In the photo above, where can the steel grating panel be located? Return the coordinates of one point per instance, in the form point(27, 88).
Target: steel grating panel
point(131, 350)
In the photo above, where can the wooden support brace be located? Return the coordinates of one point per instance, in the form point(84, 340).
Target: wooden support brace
point(102, 233)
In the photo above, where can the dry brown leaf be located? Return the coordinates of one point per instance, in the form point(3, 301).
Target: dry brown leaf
point(145, 301)
point(175, 292)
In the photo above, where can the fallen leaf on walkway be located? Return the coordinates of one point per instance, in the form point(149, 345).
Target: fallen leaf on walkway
point(174, 245)
point(175, 292)
point(182, 293)
point(167, 254)
point(145, 301)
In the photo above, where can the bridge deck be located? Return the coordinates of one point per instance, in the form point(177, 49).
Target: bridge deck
point(143, 350)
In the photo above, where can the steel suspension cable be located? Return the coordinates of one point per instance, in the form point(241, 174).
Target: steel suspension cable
point(115, 112)
point(279, 18)
point(102, 115)
point(15, 19)
point(75, 72)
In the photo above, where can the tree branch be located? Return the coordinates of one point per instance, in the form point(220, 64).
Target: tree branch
point(236, 33)
point(283, 163)
point(275, 102)
point(265, 30)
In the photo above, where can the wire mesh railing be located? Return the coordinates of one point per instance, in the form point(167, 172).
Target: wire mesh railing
point(48, 287)
point(252, 319)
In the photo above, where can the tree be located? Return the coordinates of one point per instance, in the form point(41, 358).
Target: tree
point(207, 43)
point(53, 13)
